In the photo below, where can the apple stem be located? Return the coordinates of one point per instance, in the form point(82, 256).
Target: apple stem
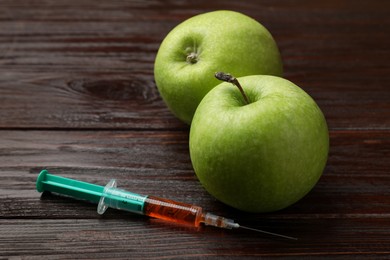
point(231, 79)
point(192, 58)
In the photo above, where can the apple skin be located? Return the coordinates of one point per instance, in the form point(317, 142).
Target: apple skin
point(262, 156)
point(219, 40)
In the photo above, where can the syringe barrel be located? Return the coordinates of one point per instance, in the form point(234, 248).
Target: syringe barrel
point(112, 197)
point(173, 211)
point(160, 208)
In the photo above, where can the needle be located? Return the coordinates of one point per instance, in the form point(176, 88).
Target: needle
point(268, 233)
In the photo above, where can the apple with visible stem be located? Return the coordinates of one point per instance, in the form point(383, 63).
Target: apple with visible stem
point(203, 44)
point(260, 147)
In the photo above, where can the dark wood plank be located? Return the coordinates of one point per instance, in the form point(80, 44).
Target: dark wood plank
point(346, 214)
point(124, 239)
point(81, 64)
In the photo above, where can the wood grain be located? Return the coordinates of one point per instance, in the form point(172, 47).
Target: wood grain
point(77, 65)
point(121, 239)
point(351, 200)
point(78, 97)
point(158, 163)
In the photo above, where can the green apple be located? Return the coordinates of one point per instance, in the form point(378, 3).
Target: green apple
point(261, 155)
point(198, 47)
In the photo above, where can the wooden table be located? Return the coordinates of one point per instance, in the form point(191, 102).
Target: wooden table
point(77, 97)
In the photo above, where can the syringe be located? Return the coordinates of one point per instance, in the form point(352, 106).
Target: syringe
point(111, 196)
